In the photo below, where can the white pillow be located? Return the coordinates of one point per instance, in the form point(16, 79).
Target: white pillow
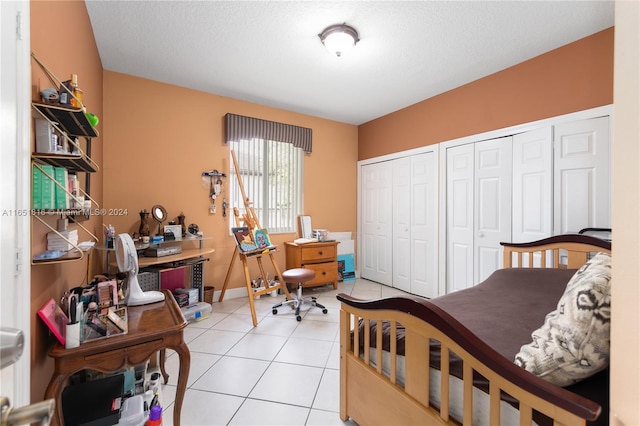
point(573, 342)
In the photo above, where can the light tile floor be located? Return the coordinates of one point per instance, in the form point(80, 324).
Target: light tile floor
point(281, 372)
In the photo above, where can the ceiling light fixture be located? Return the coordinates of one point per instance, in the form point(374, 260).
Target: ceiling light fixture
point(339, 38)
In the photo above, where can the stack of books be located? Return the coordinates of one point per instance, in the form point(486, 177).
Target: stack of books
point(47, 194)
point(56, 242)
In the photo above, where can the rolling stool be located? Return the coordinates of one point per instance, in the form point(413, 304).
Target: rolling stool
point(298, 275)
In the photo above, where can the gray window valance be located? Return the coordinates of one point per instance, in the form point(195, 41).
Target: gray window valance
point(239, 127)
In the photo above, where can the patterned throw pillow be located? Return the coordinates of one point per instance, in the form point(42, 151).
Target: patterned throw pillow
point(573, 342)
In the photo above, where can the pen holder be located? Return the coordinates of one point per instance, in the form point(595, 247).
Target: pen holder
point(72, 338)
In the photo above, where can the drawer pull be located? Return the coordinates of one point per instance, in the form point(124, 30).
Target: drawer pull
point(324, 273)
point(320, 253)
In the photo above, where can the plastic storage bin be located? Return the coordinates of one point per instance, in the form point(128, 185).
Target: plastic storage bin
point(196, 311)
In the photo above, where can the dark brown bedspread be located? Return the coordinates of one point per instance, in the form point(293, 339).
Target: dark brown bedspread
point(503, 311)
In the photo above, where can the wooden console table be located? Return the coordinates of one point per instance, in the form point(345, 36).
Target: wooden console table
point(154, 327)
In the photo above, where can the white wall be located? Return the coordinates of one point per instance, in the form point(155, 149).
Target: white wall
point(625, 300)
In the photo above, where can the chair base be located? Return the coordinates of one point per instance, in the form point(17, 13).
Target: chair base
point(297, 302)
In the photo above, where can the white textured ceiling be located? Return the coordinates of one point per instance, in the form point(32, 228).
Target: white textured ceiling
point(268, 52)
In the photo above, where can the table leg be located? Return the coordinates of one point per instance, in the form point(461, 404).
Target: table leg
point(163, 356)
point(54, 391)
point(183, 375)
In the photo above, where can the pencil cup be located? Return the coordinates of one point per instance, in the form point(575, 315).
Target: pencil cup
point(72, 339)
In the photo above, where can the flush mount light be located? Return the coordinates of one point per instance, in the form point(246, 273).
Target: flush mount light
point(339, 38)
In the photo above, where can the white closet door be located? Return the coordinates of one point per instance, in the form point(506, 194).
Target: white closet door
point(402, 188)
point(424, 225)
point(376, 222)
point(532, 185)
point(582, 175)
point(460, 231)
point(493, 171)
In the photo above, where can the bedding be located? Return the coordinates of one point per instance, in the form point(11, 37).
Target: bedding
point(573, 342)
point(463, 346)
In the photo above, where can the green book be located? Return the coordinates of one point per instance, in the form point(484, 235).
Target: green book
point(61, 195)
point(47, 192)
point(36, 187)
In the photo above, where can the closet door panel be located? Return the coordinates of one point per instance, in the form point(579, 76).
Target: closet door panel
point(376, 222)
point(424, 227)
point(532, 185)
point(402, 223)
point(492, 200)
point(582, 175)
point(460, 224)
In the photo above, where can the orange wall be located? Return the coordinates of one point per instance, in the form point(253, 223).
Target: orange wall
point(61, 36)
point(159, 138)
point(572, 78)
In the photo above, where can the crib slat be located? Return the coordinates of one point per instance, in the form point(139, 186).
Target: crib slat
point(416, 383)
point(379, 346)
point(356, 338)
point(526, 415)
point(467, 399)
point(444, 383)
point(393, 353)
point(367, 340)
point(494, 404)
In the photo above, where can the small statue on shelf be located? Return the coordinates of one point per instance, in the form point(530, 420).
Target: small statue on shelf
point(182, 224)
point(144, 223)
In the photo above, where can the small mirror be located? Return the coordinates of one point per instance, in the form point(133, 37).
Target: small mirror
point(159, 214)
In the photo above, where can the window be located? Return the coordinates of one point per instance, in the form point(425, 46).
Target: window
point(271, 173)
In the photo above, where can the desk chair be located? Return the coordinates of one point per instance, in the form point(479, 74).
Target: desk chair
point(298, 275)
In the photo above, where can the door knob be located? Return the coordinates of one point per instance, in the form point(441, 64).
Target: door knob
point(40, 413)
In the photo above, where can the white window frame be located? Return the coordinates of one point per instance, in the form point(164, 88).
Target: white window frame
point(282, 200)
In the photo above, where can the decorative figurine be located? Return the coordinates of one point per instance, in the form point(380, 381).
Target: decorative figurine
point(181, 222)
point(144, 230)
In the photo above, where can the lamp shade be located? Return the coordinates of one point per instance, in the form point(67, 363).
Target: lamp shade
point(339, 38)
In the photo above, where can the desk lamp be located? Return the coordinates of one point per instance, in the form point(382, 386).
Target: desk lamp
point(127, 259)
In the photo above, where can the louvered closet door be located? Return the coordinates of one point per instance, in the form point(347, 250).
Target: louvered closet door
point(582, 187)
point(493, 175)
point(376, 217)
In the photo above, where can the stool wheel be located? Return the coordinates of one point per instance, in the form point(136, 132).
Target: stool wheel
point(274, 311)
point(324, 311)
point(299, 318)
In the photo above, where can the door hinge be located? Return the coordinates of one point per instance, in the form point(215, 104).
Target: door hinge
point(19, 25)
point(18, 270)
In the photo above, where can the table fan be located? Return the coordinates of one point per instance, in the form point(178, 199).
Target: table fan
point(127, 259)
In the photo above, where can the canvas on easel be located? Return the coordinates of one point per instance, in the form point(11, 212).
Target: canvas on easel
point(244, 239)
point(261, 238)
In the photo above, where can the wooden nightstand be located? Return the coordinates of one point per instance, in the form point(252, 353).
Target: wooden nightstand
point(321, 257)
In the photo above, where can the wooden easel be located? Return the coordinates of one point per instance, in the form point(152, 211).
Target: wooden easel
point(250, 220)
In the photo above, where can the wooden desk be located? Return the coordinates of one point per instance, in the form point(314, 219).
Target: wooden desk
point(154, 327)
point(192, 258)
point(186, 254)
